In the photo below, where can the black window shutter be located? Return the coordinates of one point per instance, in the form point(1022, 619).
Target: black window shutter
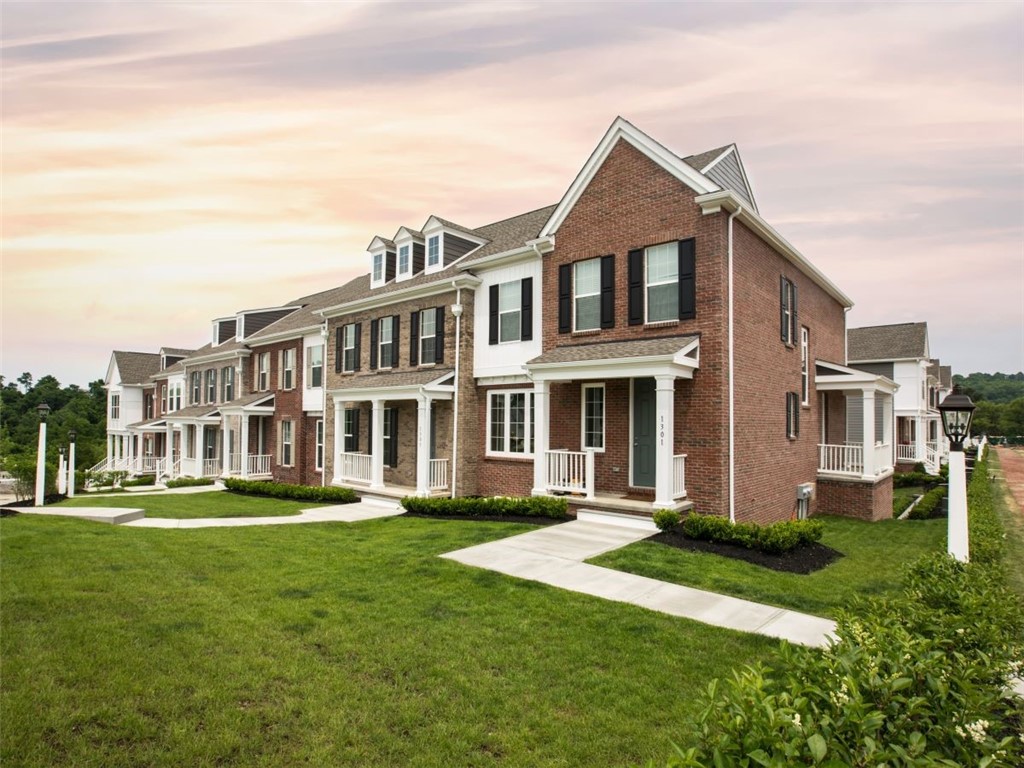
point(392, 459)
point(565, 298)
point(439, 335)
point(608, 291)
point(369, 431)
point(794, 323)
point(526, 311)
point(796, 413)
point(394, 341)
point(789, 415)
point(358, 347)
point(339, 345)
point(355, 429)
point(374, 344)
point(783, 323)
point(687, 279)
point(492, 329)
point(414, 338)
point(636, 287)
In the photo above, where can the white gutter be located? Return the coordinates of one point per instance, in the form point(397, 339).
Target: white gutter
point(323, 412)
point(457, 312)
point(732, 384)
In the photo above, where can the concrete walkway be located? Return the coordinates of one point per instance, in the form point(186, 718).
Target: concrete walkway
point(555, 556)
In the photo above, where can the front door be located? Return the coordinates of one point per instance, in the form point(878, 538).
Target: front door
point(644, 429)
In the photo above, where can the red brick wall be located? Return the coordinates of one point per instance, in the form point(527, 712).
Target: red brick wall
point(855, 498)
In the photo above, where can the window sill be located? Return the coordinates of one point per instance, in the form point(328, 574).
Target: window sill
point(661, 324)
point(522, 458)
point(588, 332)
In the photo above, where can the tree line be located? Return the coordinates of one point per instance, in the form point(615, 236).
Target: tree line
point(999, 398)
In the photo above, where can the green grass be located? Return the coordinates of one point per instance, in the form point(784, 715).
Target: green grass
point(901, 498)
point(874, 554)
point(192, 505)
point(328, 644)
point(1013, 524)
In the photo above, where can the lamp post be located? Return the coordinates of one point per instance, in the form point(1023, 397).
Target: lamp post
point(62, 474)
point(71, 463)
point(956, 411)
point(43, 410)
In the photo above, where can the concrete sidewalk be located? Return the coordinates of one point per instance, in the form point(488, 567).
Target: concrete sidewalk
point(555, 556)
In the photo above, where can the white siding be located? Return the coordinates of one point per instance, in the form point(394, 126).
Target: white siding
point(505, 359)
point(910, 375)
point(313, 397)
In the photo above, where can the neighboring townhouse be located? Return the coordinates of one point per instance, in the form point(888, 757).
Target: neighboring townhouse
point(900, 352)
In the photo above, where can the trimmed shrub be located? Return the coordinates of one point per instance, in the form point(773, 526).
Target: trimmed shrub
point(667, 519)
point(928, 506)
point(490, 506)
point(910, 479)
point(773, 539)
point(138, 482)
point(189, 482)
point(317, 493)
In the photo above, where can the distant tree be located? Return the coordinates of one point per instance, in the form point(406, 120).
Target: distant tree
point(988, 418)
point(25, 380)
point(1013, 418)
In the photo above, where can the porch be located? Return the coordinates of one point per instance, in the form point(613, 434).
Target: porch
point(245, 444)
point(920, 440)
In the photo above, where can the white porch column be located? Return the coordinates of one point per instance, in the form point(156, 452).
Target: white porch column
point(71, 470)
point(199, 449)
point(868, 417)
point(243, 449)
point(225, 448)
point(920, 437)
point(169, 450)
point(110, 451)
point(889, 428)
point(540, 437)
point(339, 442)
point(377, 441)
point(62, 477)
point(665, 392)
point(423, 445)
point(131, 452)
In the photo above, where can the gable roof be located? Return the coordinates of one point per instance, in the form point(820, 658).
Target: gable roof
point(508, 234)
point(903, 341)
point(136, 367)
point(306, 318)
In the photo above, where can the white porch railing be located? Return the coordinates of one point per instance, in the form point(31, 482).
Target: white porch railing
point(570, 472)
point(148, 465)
point(235, 464)
point(931, 454)
point(355, 467)
point(906, 452)
point(841, 459)
point(883, 457)
point(679, 476)
point(176, 468)
point(437, 478)
point(99, 467)
point(259, 464)
point(211, 467)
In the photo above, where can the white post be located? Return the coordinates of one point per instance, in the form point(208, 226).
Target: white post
point(423, 446)
point(243, 449)
point(956, 536)
point(665, 389)
point(920, 438)
point(339, 442)
point(71, 469)
point(377, 441)
point(540, 437)
point(168, 452)
point(588, 471)
point(41, 465)
point(225, 447)
point(868, 419)
point(110, 451)
point(199, 449)
point(62, 477)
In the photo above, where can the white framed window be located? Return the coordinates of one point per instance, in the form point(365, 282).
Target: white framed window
point(390, 449)
point(227, 383)
point(593, 416)
point(288, 369)
point(211, 385)
point(319, 444)
point(175, 402)
point(661, 275)
point(805, 366)
point(433, 250)
point(428, 336)
point(351, 430)
point(403, 259)
point(263, 372)
point(115, 406)
point(587, 295)
point(378, 267)
point(348, 348)
point(287, 444)
point(163, 398)
point(510, 424)
point(510, 311)
point(315, 365)
point(386, 343)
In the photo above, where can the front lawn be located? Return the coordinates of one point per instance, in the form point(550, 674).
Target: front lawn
point(902, 497)
point(328, 644)
point(874, 554)
point(184, 506)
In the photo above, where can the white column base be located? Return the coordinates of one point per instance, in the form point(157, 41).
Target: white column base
point(957, 543)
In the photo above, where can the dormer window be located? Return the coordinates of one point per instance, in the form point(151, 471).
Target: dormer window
point(378, 268)
point(433, 251)
point(403, 261)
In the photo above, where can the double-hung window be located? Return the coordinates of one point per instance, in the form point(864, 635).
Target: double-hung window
point(197, 388)
point(787, 311)
point(263, 372)
point(315, 361)
point(115, 406)
point(288, 369)
point(386, 349)
point(428, 336)
point(348, 348)
point(662, 281)
point(351, 430)
point(433, 250)
point(227, 383)
point(510, 306)
point(510, 423)
point(510, 309)
point(175, 402)
point(319, 444)
point(211, 385)
point(805, 366)
point(378, 267)
point(593, 416)
point(391, 437)
point(403, 260)
point(587, 295)
point(287, 443)
point(163, 398)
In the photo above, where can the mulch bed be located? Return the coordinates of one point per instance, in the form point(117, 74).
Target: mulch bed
point(804, 560)
point(533, 520)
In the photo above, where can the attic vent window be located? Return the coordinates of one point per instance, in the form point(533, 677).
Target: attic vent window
point(434, 251)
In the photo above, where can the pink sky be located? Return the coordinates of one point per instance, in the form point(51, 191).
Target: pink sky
point(166, 164)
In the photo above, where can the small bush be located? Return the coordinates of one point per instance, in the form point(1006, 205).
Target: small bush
point(773, 539)
point(138, 482)
point(911, 479)
point(316, 493)
point(189, 482)
point(491, 506)
point(667, 519)
point(928, 506)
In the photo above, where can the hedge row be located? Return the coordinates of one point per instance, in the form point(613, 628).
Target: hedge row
point(491, 506)
point(928, 506)
point(774, 539)
point(137, 482)
point(910, 479)
point(287, 491)
point(189, 482)
point(915, 680)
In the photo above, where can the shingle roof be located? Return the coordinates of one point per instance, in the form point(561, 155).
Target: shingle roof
point(148, 423)
point(174, 352)
point(699, 161)
point(136, 367)
point(887, 342)
point(208, 349)
point(192, 412)
point(252, 397)
point(510, 233)
point(383, 379)
point(614, 350)
point(946, 376)
point(457, 227)
point(171, 370)
point(306, 317)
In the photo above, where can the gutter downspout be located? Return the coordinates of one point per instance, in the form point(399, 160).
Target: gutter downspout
point(457, 312)
point(732, 383)
point(323, 418)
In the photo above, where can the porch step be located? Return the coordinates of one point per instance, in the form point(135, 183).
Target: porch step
point(383, 501)
point(621, 519)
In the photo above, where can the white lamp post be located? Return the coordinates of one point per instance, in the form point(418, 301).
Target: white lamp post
point(62, 474)
point(43, 410)
point(957, 410)
point(71, 464)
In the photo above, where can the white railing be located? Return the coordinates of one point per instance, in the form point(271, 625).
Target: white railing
point(176, 468)
point(906, 452)
point(148, 465)
point(437, 478)
point(100, 467)
point(235, 464)
point(355, 466)
point(211, 467)
point(679, 476)
point(841, 459)
point(571, 472)
point(883, 457)
point(931, 454)
point(259, 464)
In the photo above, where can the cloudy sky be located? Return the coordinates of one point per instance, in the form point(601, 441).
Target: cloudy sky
point(168, 163)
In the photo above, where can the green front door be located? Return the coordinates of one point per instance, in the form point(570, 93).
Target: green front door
point(644, 429)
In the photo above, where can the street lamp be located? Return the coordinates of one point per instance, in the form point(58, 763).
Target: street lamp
point(956, 411)
point(71, 463)
point(43, 410)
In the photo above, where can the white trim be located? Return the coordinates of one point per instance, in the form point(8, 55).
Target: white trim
point(626, 131)
point(401, 275)
point(725, 153)
point(444, 285)
point(680, 364)
point(529, 431)
point(583, 417)
point(596, 260)
point(805, 366)
point(648, 284)
point(427, 266)
point(345, 348)
point(544, 246)
point(217, 357)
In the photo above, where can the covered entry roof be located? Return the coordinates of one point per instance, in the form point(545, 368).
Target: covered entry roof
point(666, 355)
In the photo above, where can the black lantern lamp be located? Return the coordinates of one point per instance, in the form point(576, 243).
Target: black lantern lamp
point(43, 410)
point(956, 410)
point(71, 435)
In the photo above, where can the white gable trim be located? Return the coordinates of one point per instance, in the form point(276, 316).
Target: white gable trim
point(626, 131)
point(728, 150)
point(113, 376)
